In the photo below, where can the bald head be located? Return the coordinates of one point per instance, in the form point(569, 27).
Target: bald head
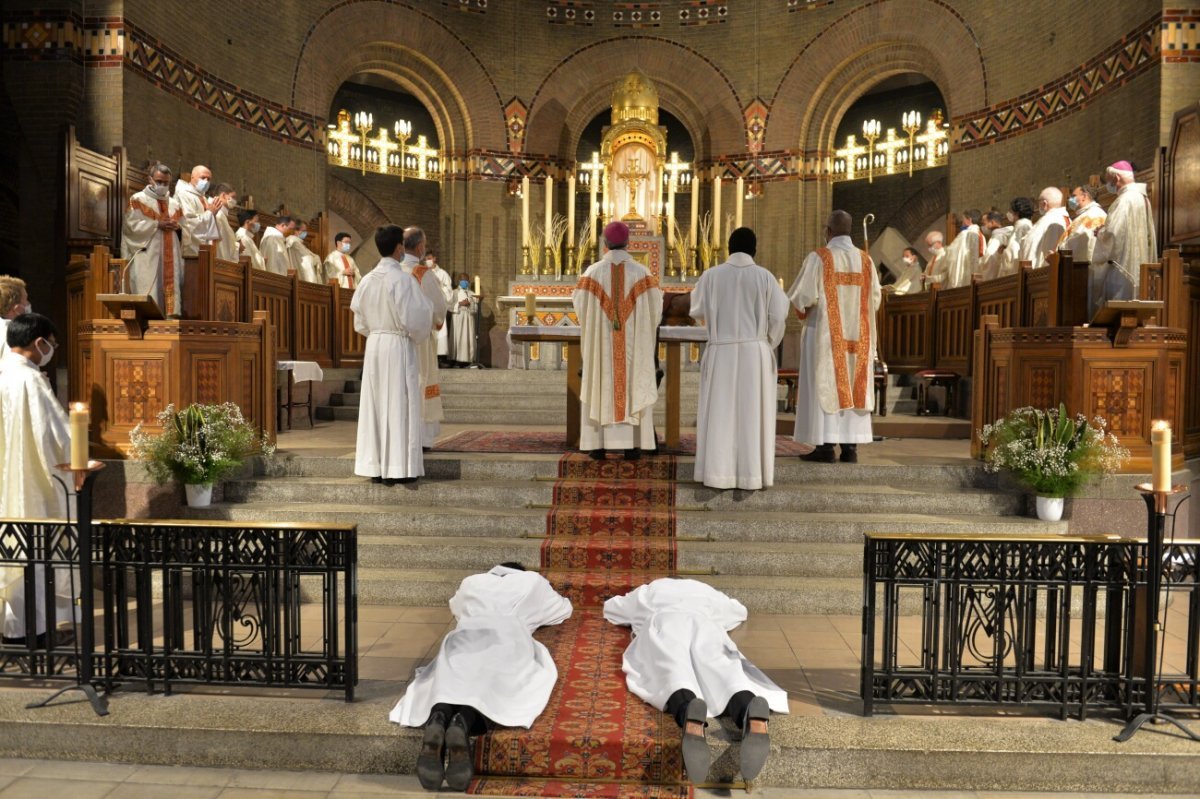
point(414, 241)
point(840, 224)
point(1050, 197)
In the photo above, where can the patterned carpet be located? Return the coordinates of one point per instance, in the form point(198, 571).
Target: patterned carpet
point(543, 443)
point(611, 529)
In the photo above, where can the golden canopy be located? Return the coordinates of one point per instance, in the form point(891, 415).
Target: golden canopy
point(635, 98)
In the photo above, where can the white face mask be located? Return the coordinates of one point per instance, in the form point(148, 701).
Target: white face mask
point(202, 185)
point(1111, 187)
point(158, 189)
point(257, 226)
point(345, 246)
point(429, 262)
point(908, 259)
point(44, 358)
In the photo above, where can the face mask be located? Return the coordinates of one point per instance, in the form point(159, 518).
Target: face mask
point(346, 247)
point(44, 357)
point(1072, 203)
point(1111, 187)
point(910, 261)
point(158, 189)
point(1011, 217)
point(257, 226)
point(202, 185)
point(462, 284)
point(429, 262)
point(303, 234)
point(231, 203)
point(27, 307)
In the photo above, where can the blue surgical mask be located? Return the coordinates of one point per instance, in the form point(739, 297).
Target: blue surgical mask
point(202, 185)
point(462, 284)
point(303, 234)
point(1072, 203)
point(345, 246)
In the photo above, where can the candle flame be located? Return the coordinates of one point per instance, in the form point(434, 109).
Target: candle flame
point(1160, 425)
point(79, 406)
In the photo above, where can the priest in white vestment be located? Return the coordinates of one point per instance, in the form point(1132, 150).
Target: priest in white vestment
point(1050, 230)
point(150, 243)
point(908, 273)
point(964, 256)
point(447, 285)
point(1020, 214)
point(34, 438)
point(488, 669)
point(199, 219)
point(227, 244)
point(273, 245)
point(619, 305)
point(935, 267)
point(998, 235)
point(837, 292)
point(414, 250)
point(1126, 241)
point(682, 661)
point(464, 304)
point(306, 263)
point(14, 301)
point(745, 312)
point(340, 265)
point(1089, 217)
point(248, 226)
point(391, 312)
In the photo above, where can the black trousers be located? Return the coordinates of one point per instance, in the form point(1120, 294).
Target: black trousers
point(477, 723)
point(736, 709)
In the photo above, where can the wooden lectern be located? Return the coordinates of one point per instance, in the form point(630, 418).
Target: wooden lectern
point(135, 310)
point(1122, 317)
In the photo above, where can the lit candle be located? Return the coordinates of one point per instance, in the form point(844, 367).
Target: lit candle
point(695, 215)
point(781, 283)
point(670, 208)
point(716, 220)
point(525, 211)
point(737, 213)
point(549, 208)
point(531, 309)
point(1160, 444)
point(477, 285)
point(571, 210)
point(79, 435)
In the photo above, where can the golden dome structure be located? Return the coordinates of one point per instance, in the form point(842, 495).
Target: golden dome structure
point(635, 97)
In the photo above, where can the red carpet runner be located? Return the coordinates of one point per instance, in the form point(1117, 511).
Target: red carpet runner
point(611, 529)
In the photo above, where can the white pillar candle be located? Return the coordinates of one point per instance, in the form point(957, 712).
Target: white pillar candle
point(695, 215)
point(549, 208)
point(593, 210)
point(716, 220)
point(606, 208)
point(671, 211)
point(525, 211)
point(1160, 446)
point(741, 193)
point(477, 285)
point(571, 210)
point(79, 422)
point(531, 309)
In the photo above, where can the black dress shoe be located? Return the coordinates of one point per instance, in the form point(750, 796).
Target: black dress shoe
point(406, 480)
point(849, 453)
point(377, 480)
point(597, 454)
point(431, 762)
point(460, 761)
point(696, 757)
point(755, 745)
point(822, 454)
point(427, 449)
point(634, 454)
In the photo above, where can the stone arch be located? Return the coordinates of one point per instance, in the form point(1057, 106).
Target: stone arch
point(419, 51)
point(356, 207)
point(581, 86)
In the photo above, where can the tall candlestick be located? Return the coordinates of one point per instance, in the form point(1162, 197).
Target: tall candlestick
point(571, 210)
point(525, 211)
point(593, 210)
point(79, 420)
point(671, 210)
point(1160, 446)
point(549, 208)
point(477, 285)
point(737, 208)
point(531, 309)
point(606, 208)
point(695, 215)
point(716, 221)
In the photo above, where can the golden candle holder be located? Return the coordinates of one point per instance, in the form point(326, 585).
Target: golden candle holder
point(526, 264)
point(80, 475)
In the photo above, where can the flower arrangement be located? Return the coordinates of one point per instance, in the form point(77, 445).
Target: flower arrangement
point(198, 445)
point(1051, 452)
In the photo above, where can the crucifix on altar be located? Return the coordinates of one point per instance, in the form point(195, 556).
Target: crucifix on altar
point(633, 175)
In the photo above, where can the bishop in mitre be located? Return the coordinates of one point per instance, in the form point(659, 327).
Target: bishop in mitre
point(746, 312)
point(304, 261)
point(431, 289)
point(682, 661)
point(199, 219)
point(489, 670)
point(618, 303)
point(390, 310)
point(1126, 241)
point(964, 256)
point(273, 245)
point(1049, 232)
point(150, 243)
point(34, 438)
point(837, 292)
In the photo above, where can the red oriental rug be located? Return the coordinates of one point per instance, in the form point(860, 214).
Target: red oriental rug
point(611, 529)
point(550, 443)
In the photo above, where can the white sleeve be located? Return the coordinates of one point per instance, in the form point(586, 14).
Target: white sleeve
point(696, 301)
point(806, 290)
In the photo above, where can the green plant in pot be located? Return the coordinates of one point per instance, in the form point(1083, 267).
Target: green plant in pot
point(198, 446)
point(1052, 453)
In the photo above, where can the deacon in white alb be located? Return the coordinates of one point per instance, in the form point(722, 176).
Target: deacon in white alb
point(683, 662)
point(463, 306)
point(431, 289)
point(964, 256)
point(1089, 217)
point(227, 244)
point(837, 292)
point(619, 304)
point(307, 265)
point(199, 220)
point(1126, 241)
point(340, 265)
point(999, 234)
point(1020, 214)
point(34, 438)
point(1048, 232)
point(745, 311)
point(150, 244)
point(273, 245)
point(489, 669)
point(248, 225)
point(391, 312)
point(447, 286)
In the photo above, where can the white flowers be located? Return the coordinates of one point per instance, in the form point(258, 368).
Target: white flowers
point(199, 445)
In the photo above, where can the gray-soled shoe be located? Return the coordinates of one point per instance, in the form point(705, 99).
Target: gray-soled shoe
point(696, 757)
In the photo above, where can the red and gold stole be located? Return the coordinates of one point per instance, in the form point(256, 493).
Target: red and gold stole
point(850, 395)
point(167, 264)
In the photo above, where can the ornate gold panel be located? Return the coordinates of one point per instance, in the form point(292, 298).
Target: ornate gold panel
point(138, 388)
point(1119, 395)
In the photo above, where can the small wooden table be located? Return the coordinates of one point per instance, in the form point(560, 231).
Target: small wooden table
point(568, 336)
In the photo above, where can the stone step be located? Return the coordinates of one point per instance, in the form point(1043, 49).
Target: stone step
point(346, 399)
point(327, 413)
point(540, 411)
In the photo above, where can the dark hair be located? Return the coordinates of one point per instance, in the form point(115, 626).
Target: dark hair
point(158, 169)
point(245, 215)
point(284, 219)
point(974, 215)
point(388, 238)
point(1022, 207)
point(1090, 191)
point(340, 236)
point(911, 250)
point(223, 188)
point(994, 216)
point(28, 328)
point(512, 564)
point(413, 237)
point(743, 240)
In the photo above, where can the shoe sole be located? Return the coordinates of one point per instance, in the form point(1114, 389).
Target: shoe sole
point(696, 755)
point(755, 745)
point(460, 769)
point(431, 769)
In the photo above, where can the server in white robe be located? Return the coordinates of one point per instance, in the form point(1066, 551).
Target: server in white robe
point(619, 304)
point(964, 256)
point(14, 301)
point(837, 292)
point(34, 438)
point(273, 245)
point(414, 250)
point(998, 235)
point(248, 227)
point(303, 260)
point(935, 267)
point(1049, 231)
point(391, 312)
point(150, 243)
point(199, 219)
point(1126, 241)
point(745, 311)
point(227, 244)
point(447, 286)
point(340, 264)
point(1020, 214)
point(463, 306)
point(908, 273)
point(488, 668)
point(682, 661)
point(1089, 217)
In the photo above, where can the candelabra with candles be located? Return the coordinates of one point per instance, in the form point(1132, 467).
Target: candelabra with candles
point(871, 130)
point(363, 122)
point(911, 123)
point(403, 130)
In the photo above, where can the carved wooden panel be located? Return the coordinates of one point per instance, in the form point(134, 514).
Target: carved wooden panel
point(1183, 178)
point(1042, 383)
point(1191, 398)
point(94, 193)
point(904, 333)
point(351, 345)
point(1036, 310)
point(953, 329)
point(1119, 395)
point(251, 394)
point(273, 294)
point(137, 387)
point(208, 379)
point(314, 324)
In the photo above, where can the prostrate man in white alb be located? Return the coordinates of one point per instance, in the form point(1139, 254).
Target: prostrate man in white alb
point(745, 312)
point(391, 312)
point(489, 670)
point(303, 260)
point(964, 256)
point(150, 244)
point(199, 220)
point(463, 306)
point(14, 301)
point(999, 234)
point(835, 390)
point(1089, 217)
point(935, 267)
point(619, 304)
point(248, 226)
point(1048, 232)
point(34, 438)
point(414, 251)
point(683, 662)
point(447, 286)
point(227, 244)
point(1020, 216)
point(340, 265)
point(273, 245)
point(1126, 241)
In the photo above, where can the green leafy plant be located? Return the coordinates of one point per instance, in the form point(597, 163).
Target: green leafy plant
point(198, 445)
point(1051, 452)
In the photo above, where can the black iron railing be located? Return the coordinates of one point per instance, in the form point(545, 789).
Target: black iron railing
point(1023, 620)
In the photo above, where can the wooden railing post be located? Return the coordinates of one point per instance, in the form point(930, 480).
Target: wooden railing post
point(931, 327)
point(247, 309)
point(335, 325)
point(982, 390)
point(267, 356)
point(295, 278)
